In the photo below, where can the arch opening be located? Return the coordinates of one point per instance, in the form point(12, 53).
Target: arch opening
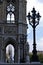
point(10, 52)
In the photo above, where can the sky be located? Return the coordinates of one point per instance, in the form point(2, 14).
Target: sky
point(38, 5)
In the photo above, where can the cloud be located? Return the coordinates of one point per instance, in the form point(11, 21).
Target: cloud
point(40, 44)
point(39, 7)
point(40, 1)
point(30, 42)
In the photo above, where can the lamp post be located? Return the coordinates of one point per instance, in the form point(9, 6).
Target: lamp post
point(34, 21)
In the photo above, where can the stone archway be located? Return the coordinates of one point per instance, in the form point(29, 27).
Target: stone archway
point(14, 44)
point(10, 53)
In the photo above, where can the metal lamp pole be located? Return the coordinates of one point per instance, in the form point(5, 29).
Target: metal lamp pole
point(34, 21)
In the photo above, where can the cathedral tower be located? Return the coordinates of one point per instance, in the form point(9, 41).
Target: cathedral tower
point(13, 29)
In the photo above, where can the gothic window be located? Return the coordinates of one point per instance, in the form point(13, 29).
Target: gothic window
point(10, 14)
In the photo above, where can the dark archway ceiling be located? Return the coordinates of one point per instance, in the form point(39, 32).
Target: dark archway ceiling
point(1, 1)
point(11, 1)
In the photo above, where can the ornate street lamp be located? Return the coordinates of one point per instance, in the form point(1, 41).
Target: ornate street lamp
point(34, 21)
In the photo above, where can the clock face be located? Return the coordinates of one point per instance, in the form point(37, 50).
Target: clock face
point(10, 8)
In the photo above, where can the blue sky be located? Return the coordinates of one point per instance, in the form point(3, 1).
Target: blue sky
point(38, 4)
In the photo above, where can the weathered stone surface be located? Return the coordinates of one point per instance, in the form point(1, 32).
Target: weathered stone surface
point(12, 32)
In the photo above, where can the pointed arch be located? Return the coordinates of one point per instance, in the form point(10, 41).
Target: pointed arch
point(12, 18)
point(8, 18)
point(11, 41)
point(10, 51)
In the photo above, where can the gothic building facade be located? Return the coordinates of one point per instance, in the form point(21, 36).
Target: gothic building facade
point(13, 29)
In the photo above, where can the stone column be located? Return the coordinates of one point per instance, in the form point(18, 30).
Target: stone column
point(20, 11)
point(0, 53)
point(1, 49)
point(27, 53)
point(16, 54)
point(19, 54)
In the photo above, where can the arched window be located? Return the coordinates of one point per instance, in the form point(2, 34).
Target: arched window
point(12, 18)
point(10, 14)
point(8, 18)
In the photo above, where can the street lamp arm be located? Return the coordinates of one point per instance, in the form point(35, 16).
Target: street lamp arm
point(36, 24)
point(31, 24)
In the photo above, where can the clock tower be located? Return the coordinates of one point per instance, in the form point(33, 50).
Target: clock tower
point(13, 29)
